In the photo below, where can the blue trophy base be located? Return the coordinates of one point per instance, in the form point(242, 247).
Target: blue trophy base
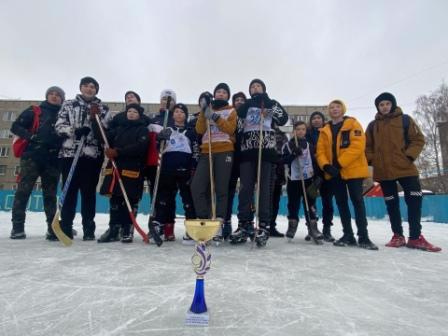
point(196, 320)
point(198, 305)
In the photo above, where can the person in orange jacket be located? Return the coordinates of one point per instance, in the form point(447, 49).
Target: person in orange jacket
point(340, 154)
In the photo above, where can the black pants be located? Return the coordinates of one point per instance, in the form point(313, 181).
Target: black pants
point(149, 174)
point(30, 170)
point(85, 180)
point(276, 194)
point(248, 178)
point(295, 195)
point(169, 185)
point(413, 197)
point(354, 187)
point(119, 214)
point(326, 195)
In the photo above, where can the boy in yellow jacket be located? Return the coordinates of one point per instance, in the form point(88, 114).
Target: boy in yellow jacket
point(340, 154)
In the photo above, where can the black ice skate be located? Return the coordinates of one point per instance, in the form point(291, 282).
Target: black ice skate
point(245, 231)
point(110, 235)
point(262, 236)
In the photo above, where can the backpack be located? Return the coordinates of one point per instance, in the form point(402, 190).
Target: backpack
point(19, 144)
point(406, 122)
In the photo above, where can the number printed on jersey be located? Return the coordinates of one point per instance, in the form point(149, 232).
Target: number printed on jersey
point(252, 121)
point(178, 143)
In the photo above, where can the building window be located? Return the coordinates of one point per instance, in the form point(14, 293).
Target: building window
point(5, 134)
point(9, 116)
point(2, 169)
point(4, 151)
point(17, 171)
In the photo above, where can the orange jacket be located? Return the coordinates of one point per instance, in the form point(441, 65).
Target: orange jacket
point(226, 125)
point(350, 154)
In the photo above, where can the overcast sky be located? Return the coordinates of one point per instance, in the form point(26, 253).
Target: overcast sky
point(307, 52)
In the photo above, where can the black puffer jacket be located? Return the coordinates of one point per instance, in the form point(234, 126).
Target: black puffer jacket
point(130, 139)
point(46, 143)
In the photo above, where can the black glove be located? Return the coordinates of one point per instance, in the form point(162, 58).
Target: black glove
point(302, 143)
point(205, 101)
point(79, 132)
point(313, 189)
point(36, 139)
point(297, 151)
point(267, 102)
point(164, 134)
point(331, 170)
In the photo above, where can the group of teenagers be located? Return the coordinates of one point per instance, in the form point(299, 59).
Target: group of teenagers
point(326, 158)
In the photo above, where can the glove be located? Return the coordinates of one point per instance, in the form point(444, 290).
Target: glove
point(94, 110)
point(302, 143)
point(313, 189)
point(296, 151)
point(266, 100)
point(36, 139)
point(263, 98)
point(208, 113)
point(164, 134)
point(205, 102)
point(111, 153)
point(82, 131)
point(331, 170)
point(410, 158)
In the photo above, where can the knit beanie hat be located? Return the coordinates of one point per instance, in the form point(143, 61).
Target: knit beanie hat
point(56, 89)
point(88, 80)
point(315, 113)
point(135, 94)
point(223, 86)
point(183, 107)
point(386, 96)
point(238, 95)
point(340, 102)
point(135, 106)
point(259, 81)
point(168, 93)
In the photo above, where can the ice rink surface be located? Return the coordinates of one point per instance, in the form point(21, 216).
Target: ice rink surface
point(284, 289)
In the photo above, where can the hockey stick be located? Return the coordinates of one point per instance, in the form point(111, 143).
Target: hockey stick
point(212, 176)
point(311, 223)
point(56, 224)
point(152, 211)
point(260, 152)
point(120, 182)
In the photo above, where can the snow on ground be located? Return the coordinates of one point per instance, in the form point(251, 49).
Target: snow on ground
point(285, 289)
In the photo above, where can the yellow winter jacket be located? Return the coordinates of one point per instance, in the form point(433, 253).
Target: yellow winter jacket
point(222, 130)
point(350, 149)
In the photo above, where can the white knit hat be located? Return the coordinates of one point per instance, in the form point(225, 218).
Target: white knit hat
point(168, 93)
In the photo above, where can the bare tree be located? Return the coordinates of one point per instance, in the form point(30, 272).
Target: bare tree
point(431, 109)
